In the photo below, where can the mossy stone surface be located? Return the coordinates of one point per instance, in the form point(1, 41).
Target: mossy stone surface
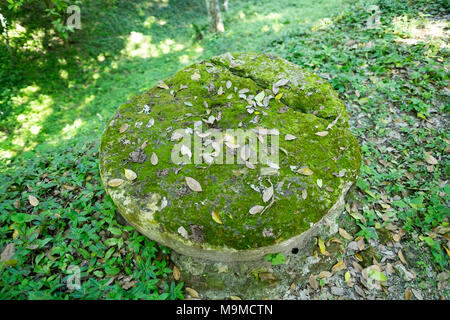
point(158, 202)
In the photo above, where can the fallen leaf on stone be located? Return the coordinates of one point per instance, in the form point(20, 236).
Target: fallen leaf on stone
point(256, 209)
point(123, 128)
point(162, 85)
point(235, 298)
point(289, 137)
point(305, 171)
point(216, 217)
point(344, 234)
point(182, 231)
point(154, 159)
point(304, 194)
point(313, 282)
point(33, 200)
point(319, 183)
point(321, 133)
point(260, 96)
point(195, 76)
point(176, 273)
point(130, 174)
point(193, 184)
point(324, 274)
point(115, 182)
point(281, 82)
point(268, 194)
point(192, 292)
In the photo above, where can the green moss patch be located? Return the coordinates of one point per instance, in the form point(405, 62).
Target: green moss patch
point(303, 106)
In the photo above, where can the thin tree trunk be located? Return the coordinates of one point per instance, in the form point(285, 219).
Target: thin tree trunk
point(225, 5)
point(4, 24)
point(215, 18)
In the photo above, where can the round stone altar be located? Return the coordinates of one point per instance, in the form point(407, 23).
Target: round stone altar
point(232, 158)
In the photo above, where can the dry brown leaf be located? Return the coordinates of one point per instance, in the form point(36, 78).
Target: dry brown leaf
point(154, 159)
point(344, 234)
point(304, 194)
point(182, 231)
point(338, 266)
point(123, 128)
point(313, 282)
point(357, 266)
point(162, 85)
point(216, 217)
point(115, 182)
point(305, 171)
point(292, 287)
point(408, 294)
point(8, 252)
point(401, 257)
point(268, 194)
point(321, 133)
point(324, 274)
point(289, 137)
point(193, 184)
point(256, 209)
point(130, 174)
point(176, 273)
point(192, 292)
point(430, 159)
point(33, 200)
point(16, 204)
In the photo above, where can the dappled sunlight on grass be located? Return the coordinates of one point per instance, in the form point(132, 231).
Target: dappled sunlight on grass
point(37, 107)
point(412, 31)
point(140, 45)
point(81, 89)
point(69, 131)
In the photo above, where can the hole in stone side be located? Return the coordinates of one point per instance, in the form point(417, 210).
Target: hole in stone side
point(294, 250)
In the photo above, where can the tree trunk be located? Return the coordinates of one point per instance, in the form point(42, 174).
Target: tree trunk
point(215, 18)
point(4, 25)
point(225, 5)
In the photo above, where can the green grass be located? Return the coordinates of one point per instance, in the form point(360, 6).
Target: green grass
point(55, 102)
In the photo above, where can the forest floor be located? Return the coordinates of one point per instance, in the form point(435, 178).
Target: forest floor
point(393, 77)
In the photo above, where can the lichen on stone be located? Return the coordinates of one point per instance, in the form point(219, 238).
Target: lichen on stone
point(159, 201)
